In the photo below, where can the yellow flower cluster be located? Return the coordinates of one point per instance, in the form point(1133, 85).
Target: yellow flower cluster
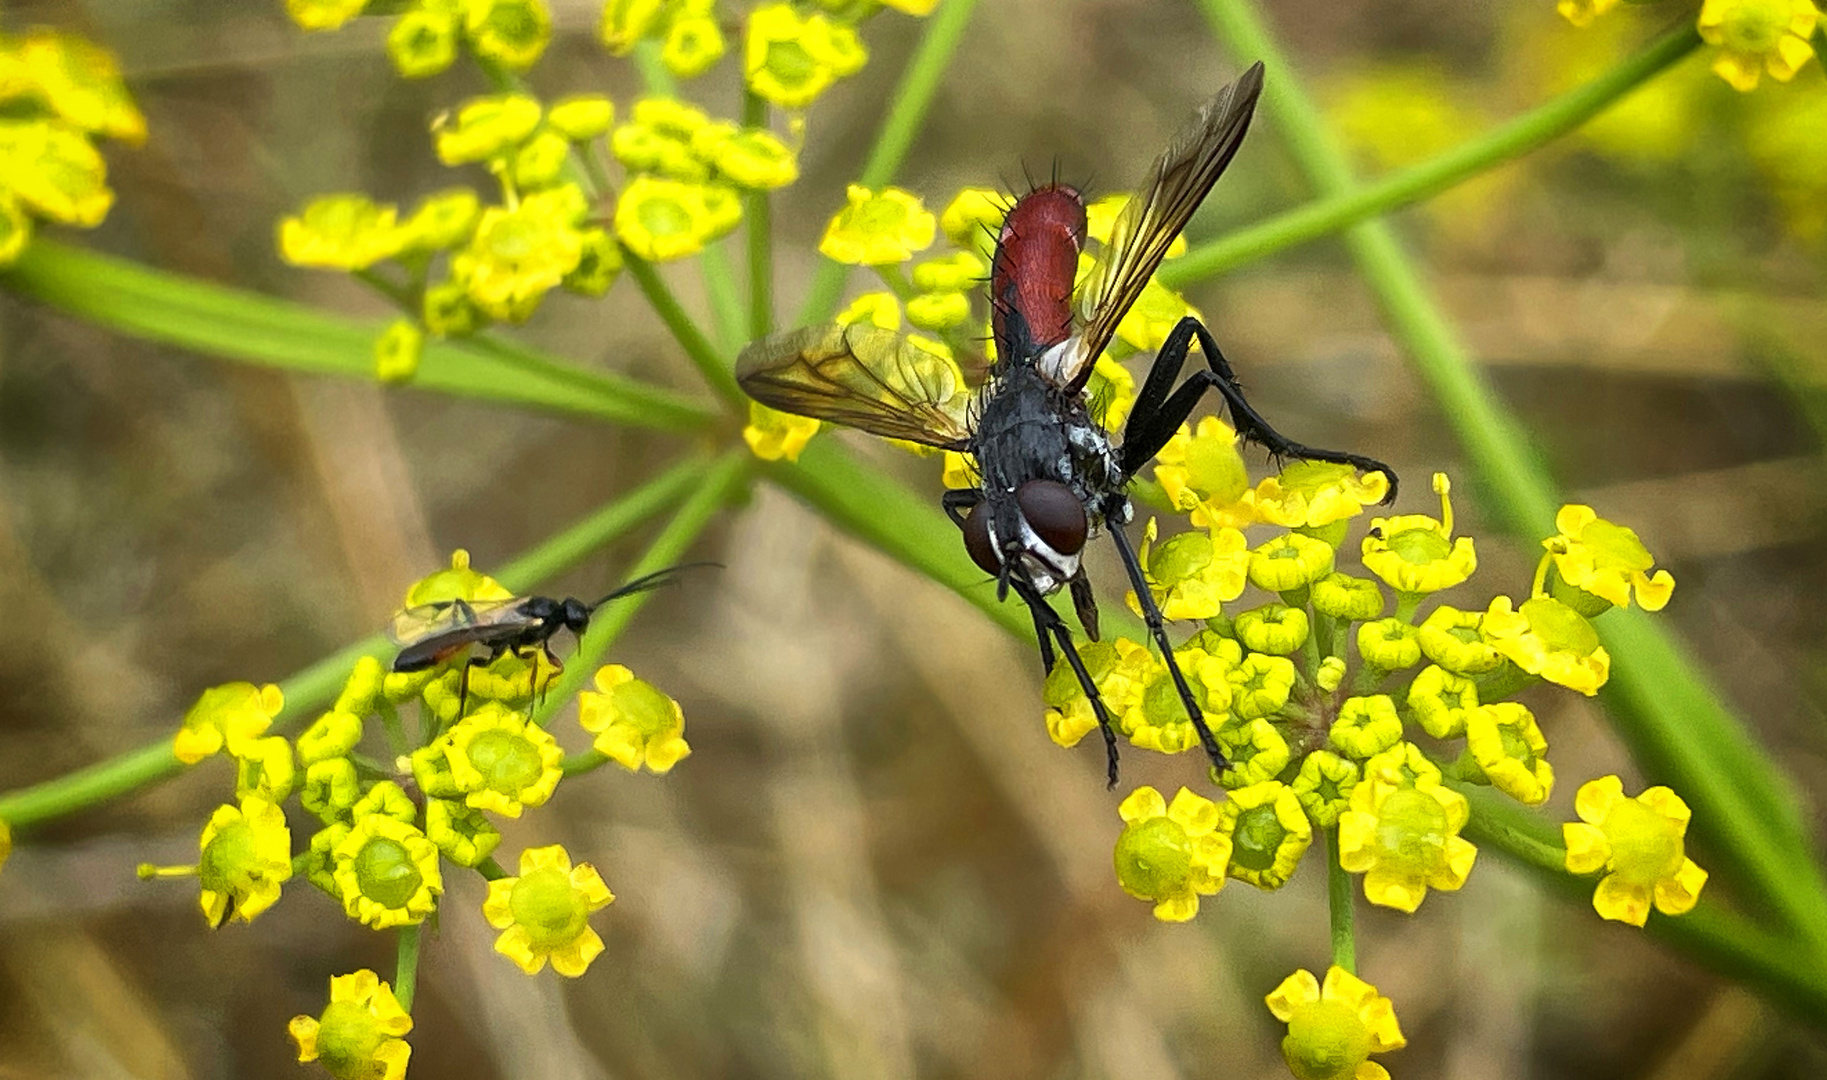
point(1753, 37)
point(61, 94)
point(427, 35)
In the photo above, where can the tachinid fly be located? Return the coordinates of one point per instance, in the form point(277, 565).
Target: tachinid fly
point(1051, 476)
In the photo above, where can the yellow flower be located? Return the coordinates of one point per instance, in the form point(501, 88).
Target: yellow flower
point(15, 229)
point(1405, 839)
point(457, 583)
point(1440, 700)
point(1192, 574)
point(323, 14)
point(1605, 561)
point(938, 311)
point(1290, 561)
point(598, 266)
point(501, 762)
point(1152, 317)
point(519, 255)
point(756, 158)
point(1257, 751)
point(1508, 747)
point(634, 723)
point(1582, 12)
point(387, 873)
point(511, 33)
point(1202, 474)
point(1260, 685)
point(693, 45)
point(972, 219)
point(1550, 639)
point(1403, 765)
point(773, 435)
point(1389, 644)
point(544, 913)
point(1119, 669)
point(1758, 35)
point(1351, 599)
point(960, 271)
point(341, 232)
point(268, 770)
point(442, 220)
point(462, 833)
point(1415, 554)
point(790, 59)
point(1333, 1030)
point(55, 171)
point(658, 219)
point(626, 22)
point(1171, 854)
point(245, 854)
point(396, 352)
point(484, 127)
point(424, 41)
point(331, 787)
point(360, 1035)
point(1276, 629)
point(1451, 638)
point(1638, 844)
point(232, 715)
point(581, 117)
point(1314, 494)
point(81, 82)
point(1269, 833)
point(1157, 718)
point(1366, 726)
point(1324, 786)
point(645, 149)
point(877, 228)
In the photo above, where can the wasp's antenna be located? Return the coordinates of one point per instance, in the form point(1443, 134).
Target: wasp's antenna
point(656, 580)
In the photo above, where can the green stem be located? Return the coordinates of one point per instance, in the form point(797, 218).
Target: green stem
point(726, 477)
point(239, 325)
point(317, 685)
point(406, 967)
point(1417, 183)
point(1675, 723)
point(1719, 938)
point(709, 362)
point(760, 234)
point(728, 315)
point(1339, 898)
point(906, 113)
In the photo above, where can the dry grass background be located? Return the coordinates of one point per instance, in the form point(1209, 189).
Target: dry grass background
point(875, 865)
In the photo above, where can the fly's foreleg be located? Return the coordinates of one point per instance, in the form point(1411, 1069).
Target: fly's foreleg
point(1048, 622)
point(1157, 414)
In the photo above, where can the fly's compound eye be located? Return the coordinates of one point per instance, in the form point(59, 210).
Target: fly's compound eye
point(1055, 515)
point(977, 540)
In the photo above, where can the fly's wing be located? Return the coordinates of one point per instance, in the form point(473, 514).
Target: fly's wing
point(468, 620)
point(864, 377)
point(1139, 240)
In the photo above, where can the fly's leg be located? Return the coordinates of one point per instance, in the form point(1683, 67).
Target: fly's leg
point(1047, 621)
point(1157, 626)
point(1157, 413)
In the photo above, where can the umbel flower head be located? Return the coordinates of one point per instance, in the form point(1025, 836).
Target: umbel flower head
point(360, 1035)
point(1638, 844)
point(1171, 855)
point(1334, 1028)
point(544, 913)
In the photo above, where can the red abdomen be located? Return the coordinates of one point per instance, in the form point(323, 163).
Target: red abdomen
point(1036, 261)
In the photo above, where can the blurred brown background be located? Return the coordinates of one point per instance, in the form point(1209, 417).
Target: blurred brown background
point(875, 865)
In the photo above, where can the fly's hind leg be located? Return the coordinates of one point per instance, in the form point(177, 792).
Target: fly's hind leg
point(1158, 413)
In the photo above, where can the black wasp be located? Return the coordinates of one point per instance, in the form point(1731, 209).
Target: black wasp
point(431, 634)
point(1051, 478)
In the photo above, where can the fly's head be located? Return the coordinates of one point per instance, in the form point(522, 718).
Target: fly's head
point(1038, 530)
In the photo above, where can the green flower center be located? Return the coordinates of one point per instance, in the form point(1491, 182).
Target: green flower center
point(1180, 557)
point(347, 1037)
point(227, 859)
point(1215, 470)
point(791, 64)
point(1644, 845)
point(1515, 747)
point(546, 905)
point(1411, 832)
point(1420, 547)
point(1561, 627)
point(648, 710)
point(1154, 858)
point(665, 217)
point(508, 763)
point(1326, 1041)
point(386, 874)
point(1257, 838)
point(1753, 26)
point(512, 24)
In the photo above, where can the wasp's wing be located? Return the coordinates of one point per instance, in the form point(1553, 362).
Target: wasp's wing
point(422, 622)
point(1139, 240)
point(864, 377)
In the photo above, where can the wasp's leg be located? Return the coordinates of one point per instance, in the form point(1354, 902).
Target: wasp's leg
point(1157, 414)
point(956, 500)
point(1047, 621)
point(1157, 626)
